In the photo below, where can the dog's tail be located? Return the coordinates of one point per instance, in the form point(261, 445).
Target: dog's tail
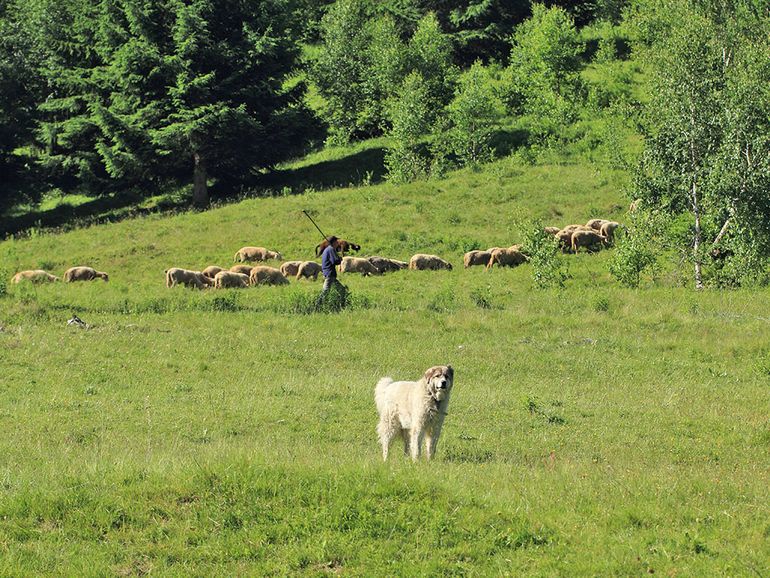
point(379, 392)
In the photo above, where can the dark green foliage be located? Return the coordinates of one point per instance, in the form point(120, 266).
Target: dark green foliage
point(149, 93)
point(20, 89)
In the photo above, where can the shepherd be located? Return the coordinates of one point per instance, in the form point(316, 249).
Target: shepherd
point(329, 261)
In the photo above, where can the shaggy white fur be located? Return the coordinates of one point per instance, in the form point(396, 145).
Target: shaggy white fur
point(414, 410)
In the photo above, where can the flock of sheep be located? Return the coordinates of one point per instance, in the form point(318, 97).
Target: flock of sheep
point(595, 234)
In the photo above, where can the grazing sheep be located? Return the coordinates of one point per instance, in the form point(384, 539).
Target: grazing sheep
point(587, 239)
point(343, 247)
point(177, 276)
point(422, 262)
point(472, 258)
point(309, 269)
point(596, 224)
point(84, 274)
point(36, 276)
point(385, 265)
point(290, 268)
point(256, 254)
point(245, 269)
point(262, 275)
point(211, 271)
point(608, 230)
point(564, 237)
point(551, 230)
point(225, 279)
point(510, 257)
point(358, 265)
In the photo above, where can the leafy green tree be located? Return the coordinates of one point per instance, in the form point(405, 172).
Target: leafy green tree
point(429, 53)
point(543, 75)
point(706, 156)
point(473, 114)
point(339, 71)
point(410, 118)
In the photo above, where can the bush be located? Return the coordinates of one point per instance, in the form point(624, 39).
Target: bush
point(633, 255)
point(548, 270)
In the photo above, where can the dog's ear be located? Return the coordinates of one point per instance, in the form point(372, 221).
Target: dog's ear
point(450, 372)
point(431, 372)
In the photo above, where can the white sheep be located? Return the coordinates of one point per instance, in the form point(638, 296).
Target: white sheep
point(84, 274)
point(225, 279)
point(177, 276)
point(256, 254)
point(358, 265)
point(35, 276)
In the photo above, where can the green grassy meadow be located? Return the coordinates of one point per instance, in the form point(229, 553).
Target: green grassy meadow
point(594, 430)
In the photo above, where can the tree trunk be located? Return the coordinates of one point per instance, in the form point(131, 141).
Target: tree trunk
point(698, 238)
point(200, 187)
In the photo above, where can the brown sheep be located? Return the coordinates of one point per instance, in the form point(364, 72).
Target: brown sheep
point(551, 230)
point(197, 279)
point(564, 237)
point(290, 268)
point(472, 258)
point(608, 230)
point(309, 269)
point(84, 274)
point(343, 247)
point(423, 262)
point(256, 254)
point(211, 271)
point(35, 276)
point(587, 239)
point(385, 265)
point(358, 265)
point(510, 257)
point(225, 279)
point(245, 269)
point(262, 275)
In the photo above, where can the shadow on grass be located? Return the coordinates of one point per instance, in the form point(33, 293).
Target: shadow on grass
point(367, 166)
point(108, 208)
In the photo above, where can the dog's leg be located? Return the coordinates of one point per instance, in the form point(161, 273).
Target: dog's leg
point(386, 432)
point(432, 440)
point(416, 443)
point(405, 434)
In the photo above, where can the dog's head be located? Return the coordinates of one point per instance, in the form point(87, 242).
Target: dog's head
point(439, 380)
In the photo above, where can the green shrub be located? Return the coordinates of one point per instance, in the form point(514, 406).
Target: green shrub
point(548, 269)
point(632, 256)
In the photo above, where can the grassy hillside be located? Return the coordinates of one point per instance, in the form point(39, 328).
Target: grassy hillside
point(592, 431)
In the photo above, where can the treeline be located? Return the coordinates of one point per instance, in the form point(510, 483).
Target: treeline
point(101, 96)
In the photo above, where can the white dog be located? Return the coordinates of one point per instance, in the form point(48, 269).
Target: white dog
point(414, 410)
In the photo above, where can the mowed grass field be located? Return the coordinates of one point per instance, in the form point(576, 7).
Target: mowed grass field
point(591, 431)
